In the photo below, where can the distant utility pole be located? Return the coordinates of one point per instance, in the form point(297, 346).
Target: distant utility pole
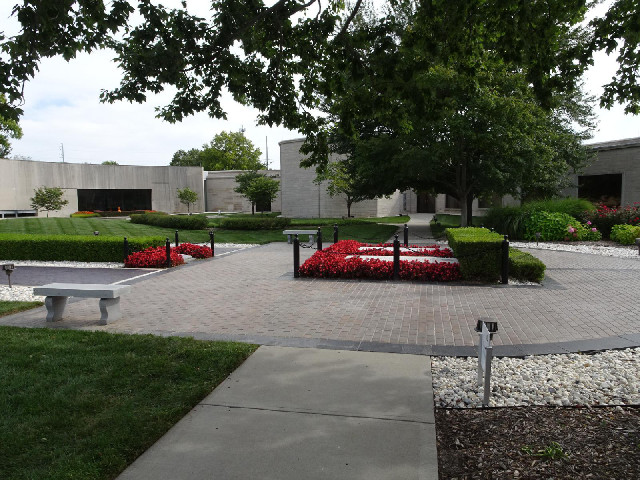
point(62, 151)
point(266, 144)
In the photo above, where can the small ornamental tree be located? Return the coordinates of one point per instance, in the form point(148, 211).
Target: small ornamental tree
point(342, 181)
point(257, 188)
point(187, 197)
point(48, 198)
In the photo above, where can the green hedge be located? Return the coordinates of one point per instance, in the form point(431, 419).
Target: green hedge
point(179, 222)
point(84, 215)
point(254, 223)
point(525, 267)
point(479, 252)
point(125, 213)
point(625, 234)
point(79, 248)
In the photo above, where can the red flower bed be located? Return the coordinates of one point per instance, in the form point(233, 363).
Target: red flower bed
point(332, 263)
point(196, 251)
point(153, 257)
point(352, 247)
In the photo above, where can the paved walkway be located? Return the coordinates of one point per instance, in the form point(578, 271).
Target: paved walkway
point(253, 296)
point(289, 414)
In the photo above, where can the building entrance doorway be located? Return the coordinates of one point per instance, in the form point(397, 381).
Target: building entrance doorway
point(426, 203)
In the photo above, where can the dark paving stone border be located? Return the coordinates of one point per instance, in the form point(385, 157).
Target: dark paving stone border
point(582, 346)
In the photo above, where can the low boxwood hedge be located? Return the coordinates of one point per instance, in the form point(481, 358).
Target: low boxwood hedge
point(179, 222)
point(261, 223)
point(525, 267)
point(84, 215)
point(479, 252)
point(79, 248)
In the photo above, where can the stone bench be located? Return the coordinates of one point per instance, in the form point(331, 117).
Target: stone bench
point(58, 293)
point(290, 233)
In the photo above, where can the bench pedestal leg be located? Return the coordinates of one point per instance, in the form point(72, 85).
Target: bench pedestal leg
point(55, 308)
point(109, 310)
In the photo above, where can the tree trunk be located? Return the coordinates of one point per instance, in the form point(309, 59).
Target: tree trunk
point(349, 202)
point(253, 208)
point(470, 210)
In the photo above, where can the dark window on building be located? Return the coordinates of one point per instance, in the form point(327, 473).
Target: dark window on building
point(605, 189)
point(451, 202)
point(112, 199)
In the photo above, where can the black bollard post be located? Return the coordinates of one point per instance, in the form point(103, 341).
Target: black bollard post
point(296, 257)
point(319, 239)
point(396, 258)
point(168, 253)
point(406, 235)
point(335, 233)
point(177, 238)
point(212, 242)
point(126, 249)
point(638, 244)
point(505, 260)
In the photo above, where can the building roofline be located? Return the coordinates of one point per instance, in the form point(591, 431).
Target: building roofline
point(615, 144)
point(293, 140)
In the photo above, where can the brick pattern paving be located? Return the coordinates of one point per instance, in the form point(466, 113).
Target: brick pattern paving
point(254, 293)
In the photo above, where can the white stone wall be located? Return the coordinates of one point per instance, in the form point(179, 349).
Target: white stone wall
point(19, 179)
point(220, 193)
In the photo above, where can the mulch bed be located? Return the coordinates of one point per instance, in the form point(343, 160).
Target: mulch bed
point(539, 443)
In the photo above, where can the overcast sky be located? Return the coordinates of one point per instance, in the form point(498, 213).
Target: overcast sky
point(62, 108)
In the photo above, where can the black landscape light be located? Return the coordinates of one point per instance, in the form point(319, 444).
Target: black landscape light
point(638, 244)
point(8, 269)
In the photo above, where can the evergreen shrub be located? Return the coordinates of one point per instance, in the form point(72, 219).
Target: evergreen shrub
point(525, 267)
point(79, 248)
point(479, 252)
point(178, 222)
point(261, 223)
point(625, 234)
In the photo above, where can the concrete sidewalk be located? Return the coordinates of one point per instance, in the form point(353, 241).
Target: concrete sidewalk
point(290, 413)
point(419, 230)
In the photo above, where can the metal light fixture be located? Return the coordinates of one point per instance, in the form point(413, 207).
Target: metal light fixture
point(8, 269)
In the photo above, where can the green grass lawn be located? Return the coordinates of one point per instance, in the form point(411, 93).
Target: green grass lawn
point(365, 232)
point(86, 404)
point(7, 308)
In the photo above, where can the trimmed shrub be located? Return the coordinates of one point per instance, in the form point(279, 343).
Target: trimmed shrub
point(261, 223)
point(183, 222)
point(479, 252)
point(575, 207)
point(79, 248)
point(126, 213)
point(625, 234)
point(525, 267)
point(84, 215)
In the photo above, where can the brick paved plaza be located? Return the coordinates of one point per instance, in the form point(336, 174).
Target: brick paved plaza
point(252, 295)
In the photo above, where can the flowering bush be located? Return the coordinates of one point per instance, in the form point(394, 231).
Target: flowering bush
point(196, 251)
point(333, 263)
point(153, 257)
point(555, 226)
point(84, 214)
point(604, 218)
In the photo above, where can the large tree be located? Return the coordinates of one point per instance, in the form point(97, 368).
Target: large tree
point(257, 188)
point(9, 128)
point(272, 55)
point(424, 106)
point(227, 151)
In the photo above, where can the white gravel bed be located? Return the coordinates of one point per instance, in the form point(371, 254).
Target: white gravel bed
point(625, 252)
point(606, 378)
point(19, 293)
